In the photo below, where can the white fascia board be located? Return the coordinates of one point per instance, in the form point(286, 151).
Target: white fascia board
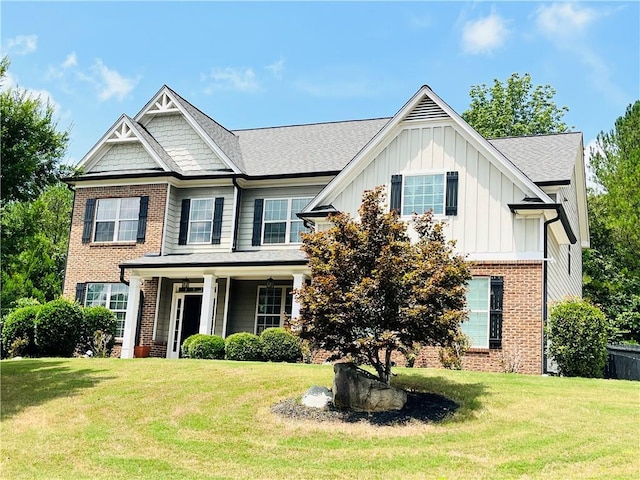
point(484, 146)
point(103, 145)
point(581, 194)
point(192, 122)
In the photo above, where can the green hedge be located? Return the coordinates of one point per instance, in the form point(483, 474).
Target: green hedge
point(20, 323)
point(97, 318)
point(578, 338)
point(58, 328)
point(204, 347)
point(243, 346)
point(279, 345)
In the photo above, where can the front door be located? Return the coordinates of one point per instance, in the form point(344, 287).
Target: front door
point(186, 321)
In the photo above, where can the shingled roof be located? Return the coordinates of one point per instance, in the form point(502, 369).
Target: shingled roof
point(542, 158)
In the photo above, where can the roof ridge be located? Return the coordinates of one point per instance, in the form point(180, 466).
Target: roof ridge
point(197, 109)
point(312, 124)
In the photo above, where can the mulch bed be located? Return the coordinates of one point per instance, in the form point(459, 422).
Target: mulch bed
point(420, 407)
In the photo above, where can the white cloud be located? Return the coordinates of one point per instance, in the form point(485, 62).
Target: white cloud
point(22, 44)
point(70, 61)
point(484, 35)
point(276, 68)
point(240, 79)
point(566, 25)
point(110, 83)
point(563, 20)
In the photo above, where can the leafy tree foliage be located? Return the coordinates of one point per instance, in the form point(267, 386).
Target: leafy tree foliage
point(374, 291)
point(35, 236)
point(31, 144)
point(514, 108)
point(612, 264)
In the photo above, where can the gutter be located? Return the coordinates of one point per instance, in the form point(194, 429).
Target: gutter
point(122, 280)
point(558, 207)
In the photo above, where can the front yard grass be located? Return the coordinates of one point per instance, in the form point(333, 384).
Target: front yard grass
point(198, 419)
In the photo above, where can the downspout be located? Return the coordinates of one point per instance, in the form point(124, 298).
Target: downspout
point(122, 280)
point(545, 273)
point(236, 217)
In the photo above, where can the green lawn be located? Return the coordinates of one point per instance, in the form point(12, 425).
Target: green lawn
point(196, 419)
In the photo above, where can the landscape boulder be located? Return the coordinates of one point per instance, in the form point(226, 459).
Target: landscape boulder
point(317, 397)
point(357, 390)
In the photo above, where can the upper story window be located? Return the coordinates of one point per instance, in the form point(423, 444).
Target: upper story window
point(421, 193)
point(201, 221)
point(280, 223)
point(115, 219)
point(418, 193)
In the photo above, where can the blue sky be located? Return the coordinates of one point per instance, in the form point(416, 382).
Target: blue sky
point(260, 64)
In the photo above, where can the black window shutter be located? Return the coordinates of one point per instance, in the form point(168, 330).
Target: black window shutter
point(142, 219)
point(217, 220)
point(88, 220)
point(80, 293)
point(495, 312)
point(451, 207)
point(184, 221)
point(395, 197)
point(256, 240)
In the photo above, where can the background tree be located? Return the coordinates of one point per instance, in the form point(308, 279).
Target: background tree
point(514, 108)
point(31, 145)
point(612, 264)
point(35, 236)
point(374, 291)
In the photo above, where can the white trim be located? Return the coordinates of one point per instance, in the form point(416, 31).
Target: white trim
point(502, 256)
point(380, 140)
point(131, 317)
point(208, 306)
point(116, 221)
point(424, 173)
point(488, 311)
point(283, 302)
point(166, 92)
point(225, 317)
point(176, 294)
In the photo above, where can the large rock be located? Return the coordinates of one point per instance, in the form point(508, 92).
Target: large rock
point(358, 390)
point(317, 397)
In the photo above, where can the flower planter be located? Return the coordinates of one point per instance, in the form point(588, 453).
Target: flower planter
point(140, 351)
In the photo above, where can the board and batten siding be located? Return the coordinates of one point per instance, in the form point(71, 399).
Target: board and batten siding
point(484, 223)
point(183, 144)
point(121, 157)
point(245, 229)
point(173, 218)
point(564, 281)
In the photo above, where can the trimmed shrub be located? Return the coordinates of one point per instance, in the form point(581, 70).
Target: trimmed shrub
point(203, 347)
point(59, 328)
point(578, 335)
point(243, 346)
point(20, 324)
point(279, 345)
point(101, 319)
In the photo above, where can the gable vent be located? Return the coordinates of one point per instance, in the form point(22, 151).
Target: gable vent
point(426, 110)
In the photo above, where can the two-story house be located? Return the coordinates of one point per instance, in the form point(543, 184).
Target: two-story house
point(182, 226)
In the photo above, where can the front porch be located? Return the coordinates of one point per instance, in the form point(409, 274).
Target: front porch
point(169, 302)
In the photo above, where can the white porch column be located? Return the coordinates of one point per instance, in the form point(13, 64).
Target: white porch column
point(131, 318)
point(208, 310)
point(226, 308)
point(298, 281)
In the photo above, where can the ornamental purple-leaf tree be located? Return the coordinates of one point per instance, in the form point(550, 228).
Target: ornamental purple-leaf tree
point(374, 291)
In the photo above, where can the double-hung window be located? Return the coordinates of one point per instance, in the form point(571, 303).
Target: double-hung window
point(477, 326)
point(201, 220)
point(114, 296)
point(281, 225)
point(116, 219)
point(422, 193)
point(272, 304)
